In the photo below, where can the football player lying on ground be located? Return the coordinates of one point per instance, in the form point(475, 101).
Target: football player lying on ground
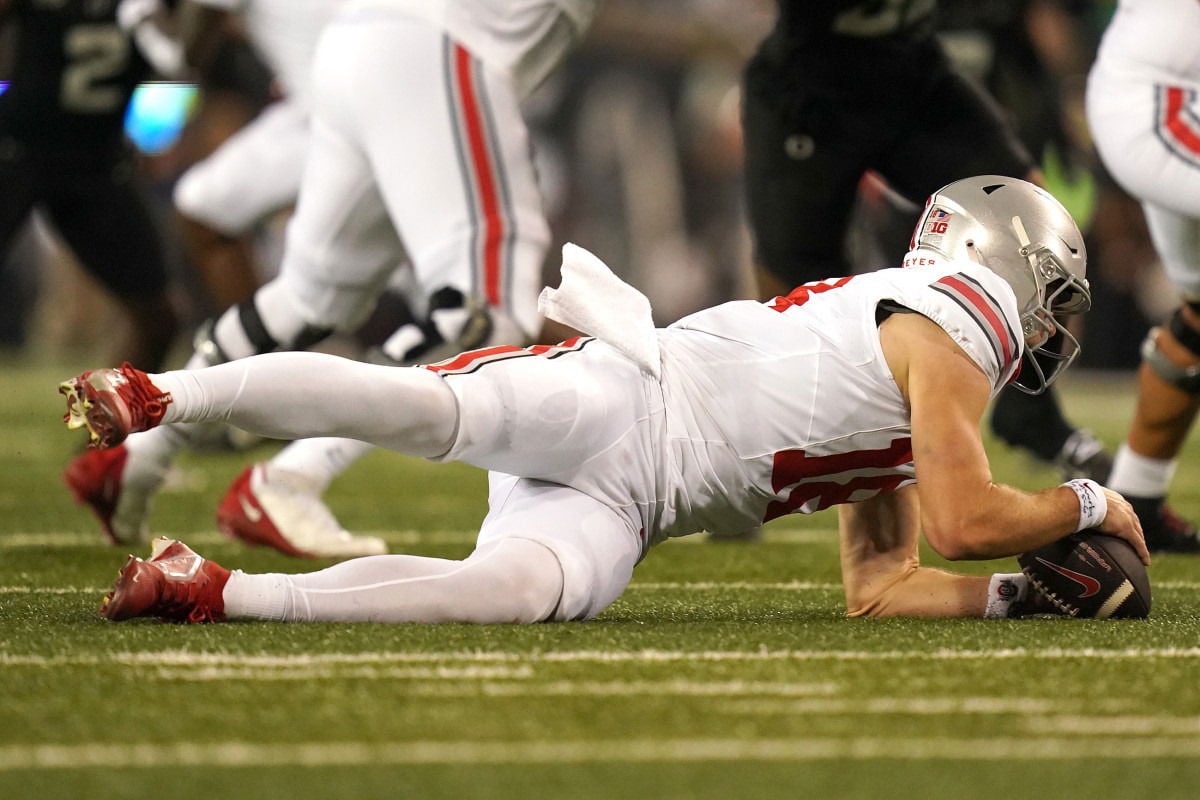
point(863, 392)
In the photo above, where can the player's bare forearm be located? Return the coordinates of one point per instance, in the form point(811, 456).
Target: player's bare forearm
point(964, 514)
point(929, 593)
point(997, 520)
point(881, 574)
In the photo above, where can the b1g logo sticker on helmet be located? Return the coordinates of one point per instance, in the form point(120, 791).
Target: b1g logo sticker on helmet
point(937, 222)
point(931, 228)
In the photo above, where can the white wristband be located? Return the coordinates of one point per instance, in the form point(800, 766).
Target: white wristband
point(1093, 505)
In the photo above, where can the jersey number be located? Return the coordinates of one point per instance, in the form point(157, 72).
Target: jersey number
point(814, 483)
point(97, 54)
point(881, 17)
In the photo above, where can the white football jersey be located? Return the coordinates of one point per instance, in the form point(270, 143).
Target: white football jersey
point(789, 406)
point(1155, 39)
point(526, 38)
point(759, 409)
point(285, 33)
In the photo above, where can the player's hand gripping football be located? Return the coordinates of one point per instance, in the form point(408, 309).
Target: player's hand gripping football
point(1121, 521)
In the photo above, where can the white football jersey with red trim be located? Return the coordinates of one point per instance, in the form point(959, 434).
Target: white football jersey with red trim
point(789, 406)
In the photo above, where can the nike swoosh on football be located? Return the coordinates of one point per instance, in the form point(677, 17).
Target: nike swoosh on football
point(253, 513)
point(1090, 585)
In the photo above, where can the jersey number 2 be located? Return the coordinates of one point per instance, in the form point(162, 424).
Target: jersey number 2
point(97, 54)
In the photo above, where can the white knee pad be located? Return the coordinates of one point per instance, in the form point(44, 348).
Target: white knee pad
point(1185, 378)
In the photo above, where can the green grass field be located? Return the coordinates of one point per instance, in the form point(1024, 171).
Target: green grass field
point(726, 670)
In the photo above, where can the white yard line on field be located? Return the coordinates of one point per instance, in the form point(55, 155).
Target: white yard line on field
point(50, 590)
point(518, 682)
point(1091, 725)
point(205, 674)
point(187, 658)
point(173, 755)
point(60, 539)
point(922, 706)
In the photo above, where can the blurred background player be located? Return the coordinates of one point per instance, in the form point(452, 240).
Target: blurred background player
point(63, 151)
point(847, 89)
point(418, 149)
point(279, 503)
point(1143, 106)
point(255, 174)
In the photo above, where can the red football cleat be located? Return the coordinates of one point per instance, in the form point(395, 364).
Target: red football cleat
point(175, 584)
point(280, 510)
point(94, 478)
point(113, 403)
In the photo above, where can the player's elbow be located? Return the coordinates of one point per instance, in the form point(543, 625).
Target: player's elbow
point(959, 539)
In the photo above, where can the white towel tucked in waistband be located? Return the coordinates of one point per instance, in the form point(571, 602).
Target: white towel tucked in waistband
point(594, 301)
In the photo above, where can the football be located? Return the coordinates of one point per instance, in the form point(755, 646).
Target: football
point(1090, 575)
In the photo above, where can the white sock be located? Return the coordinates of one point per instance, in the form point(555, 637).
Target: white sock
point(514, 580)
point(1138, 476)
point(256, 596)
point(151, 452)
point(1004, 590)
point(302, 395)
point(319, 460)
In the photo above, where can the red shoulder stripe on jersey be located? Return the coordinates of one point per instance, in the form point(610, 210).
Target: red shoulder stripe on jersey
point(1178, 127)
point(985, 311)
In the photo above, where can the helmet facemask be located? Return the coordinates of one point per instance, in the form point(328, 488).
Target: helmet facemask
point(1049, 346)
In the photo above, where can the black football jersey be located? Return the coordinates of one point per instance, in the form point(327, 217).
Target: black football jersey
point(860, 47)
point(72, 76)
point(807, 22)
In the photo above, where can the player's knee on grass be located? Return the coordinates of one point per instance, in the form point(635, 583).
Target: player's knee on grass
point(512, 581)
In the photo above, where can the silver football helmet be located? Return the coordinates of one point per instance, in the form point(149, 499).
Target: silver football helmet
point(1025, 236)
